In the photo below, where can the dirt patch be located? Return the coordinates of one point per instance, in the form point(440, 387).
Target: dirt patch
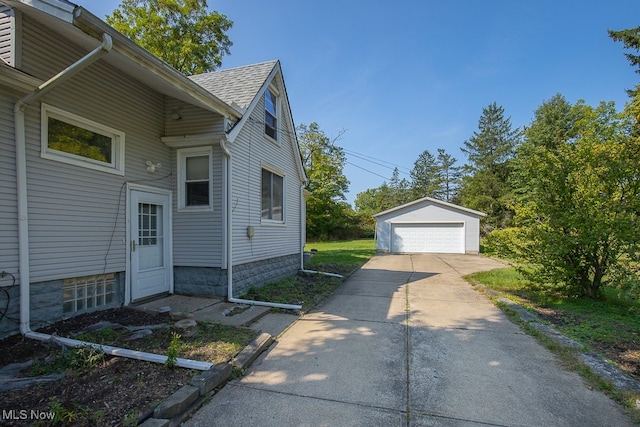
point(96, 390)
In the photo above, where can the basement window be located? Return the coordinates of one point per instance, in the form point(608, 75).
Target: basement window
point(82, 294)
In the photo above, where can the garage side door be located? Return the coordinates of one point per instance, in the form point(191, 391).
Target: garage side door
point(428, 238)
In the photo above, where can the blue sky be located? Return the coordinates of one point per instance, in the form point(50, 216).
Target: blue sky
point(405, 76)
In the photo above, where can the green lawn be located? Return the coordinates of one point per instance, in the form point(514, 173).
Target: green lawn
point(345, 252)
point(308, 290)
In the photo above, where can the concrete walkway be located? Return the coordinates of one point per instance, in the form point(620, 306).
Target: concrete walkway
point(407, 342)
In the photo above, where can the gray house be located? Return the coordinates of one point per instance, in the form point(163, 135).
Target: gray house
point(428, 225)
point(123, 179)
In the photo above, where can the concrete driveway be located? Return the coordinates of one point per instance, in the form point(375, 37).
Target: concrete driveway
point(407, 342)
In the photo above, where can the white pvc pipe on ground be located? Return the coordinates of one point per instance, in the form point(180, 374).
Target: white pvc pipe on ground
point(122, 352)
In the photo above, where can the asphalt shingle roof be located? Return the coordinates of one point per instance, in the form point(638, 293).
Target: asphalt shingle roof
point(236, 85)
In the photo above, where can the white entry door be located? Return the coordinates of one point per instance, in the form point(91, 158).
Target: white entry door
point(150, 240)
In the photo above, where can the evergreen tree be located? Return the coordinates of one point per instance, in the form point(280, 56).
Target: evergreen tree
point(449, 175)
point(630, 39)
point(425, 176)
point(486, 186)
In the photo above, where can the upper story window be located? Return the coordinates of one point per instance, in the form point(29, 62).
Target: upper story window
point(272, 196)
point(195, 188)
point(271, 113)
point(69, 138)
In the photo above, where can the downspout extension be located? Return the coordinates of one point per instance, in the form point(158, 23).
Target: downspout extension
point(229, 244)
point(23, 219)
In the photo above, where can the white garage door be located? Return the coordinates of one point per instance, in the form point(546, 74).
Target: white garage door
point(431, 238)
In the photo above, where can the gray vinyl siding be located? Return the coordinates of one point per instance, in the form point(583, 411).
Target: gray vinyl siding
point(192, 121)
point(7, 26)
point(197, 240)
point(8, 207)
point(77, 215)
point(250, 151)
point(198, 235)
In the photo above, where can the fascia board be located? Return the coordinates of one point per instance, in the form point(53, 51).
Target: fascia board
point(60, 9)
point(18, 80)
point(435, 202)
point(95, 27)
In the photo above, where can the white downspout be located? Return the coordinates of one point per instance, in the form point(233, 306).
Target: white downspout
point(23, 219)
point(229, 242)
point(21, 170)
point(303, 228)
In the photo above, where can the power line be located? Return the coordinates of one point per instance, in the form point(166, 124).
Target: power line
point(376, 163)
point(367, 170)
point(376, 160)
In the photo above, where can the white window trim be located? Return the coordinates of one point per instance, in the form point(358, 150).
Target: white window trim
point(117, 164)
point(276, 171)
point(274, 91)
point(182, 155)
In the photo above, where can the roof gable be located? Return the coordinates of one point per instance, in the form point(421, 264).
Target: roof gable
point(426, 201)
point(236, 86)
point(242, 88)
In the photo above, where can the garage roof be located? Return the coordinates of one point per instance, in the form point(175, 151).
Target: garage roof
point(430, 200)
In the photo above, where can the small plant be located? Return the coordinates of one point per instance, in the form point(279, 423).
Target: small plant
point(237, 372)
point(131, 419)
point(79, 360)
point(77, 415)
point(173, 351)
point(85, 358)
point(57, 409)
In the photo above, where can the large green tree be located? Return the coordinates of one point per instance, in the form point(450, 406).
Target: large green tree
point(180, 32)
point(425, 176)
point(579, 202)
point(450, 175)
point(485, 186)
point(400, 189)
point(328, 215)
point(630, 39)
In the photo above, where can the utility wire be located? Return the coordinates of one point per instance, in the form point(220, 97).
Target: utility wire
point(374, 160)
point(367, 170)
point(376, 163)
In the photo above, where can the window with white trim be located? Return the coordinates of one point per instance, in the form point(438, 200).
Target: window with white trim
point(69, 138)
point(195, 188)
point(272, 196)
point(271, 103)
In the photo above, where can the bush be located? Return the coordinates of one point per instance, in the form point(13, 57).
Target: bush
point(508, 243)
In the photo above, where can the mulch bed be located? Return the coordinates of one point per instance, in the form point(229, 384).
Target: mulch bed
point(118, 391)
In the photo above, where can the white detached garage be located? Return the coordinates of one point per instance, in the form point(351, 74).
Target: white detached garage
point(428, 225)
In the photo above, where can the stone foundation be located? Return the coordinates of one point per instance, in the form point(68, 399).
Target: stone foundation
point(213, 281)
point(46, 305)
point(259, 273)
point(203, 281)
